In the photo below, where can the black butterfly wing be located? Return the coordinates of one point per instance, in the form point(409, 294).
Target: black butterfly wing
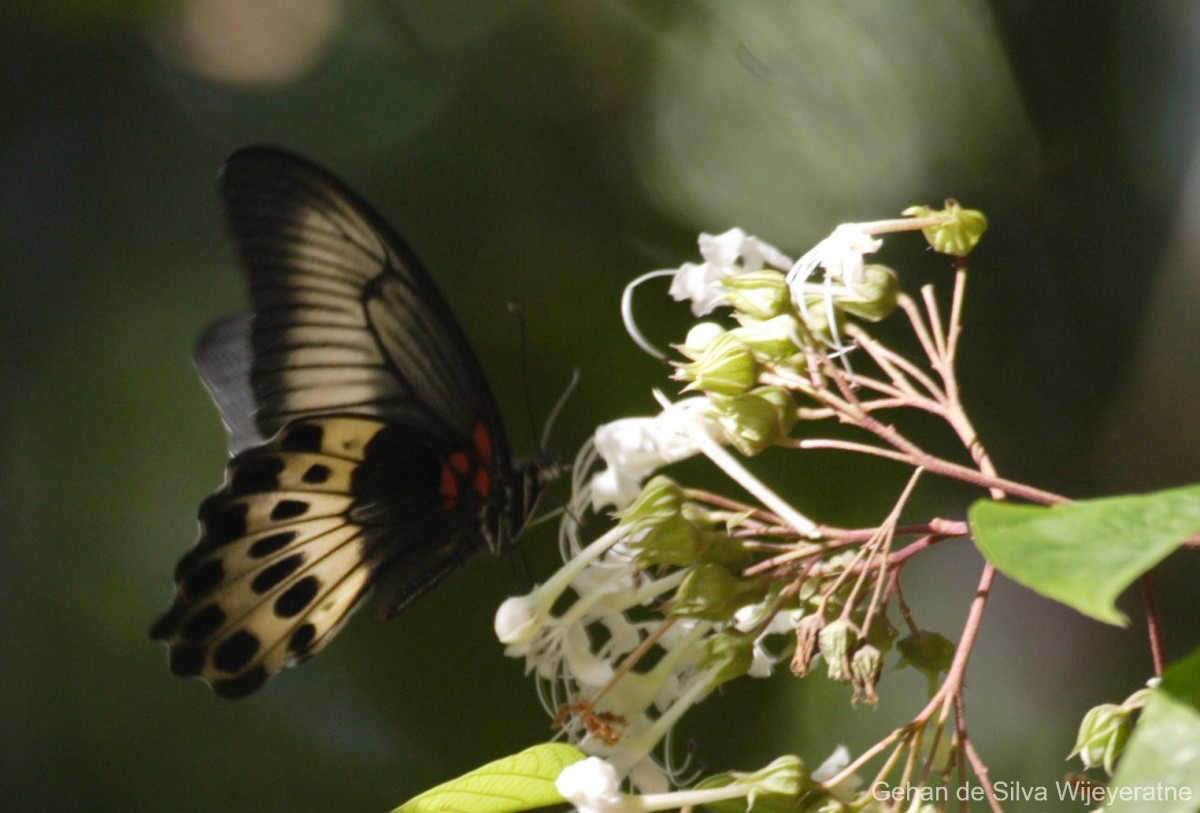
point(345, 317)
point(385, 447)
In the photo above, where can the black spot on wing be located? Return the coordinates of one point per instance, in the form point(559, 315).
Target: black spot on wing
point(256, 474)
point(236, 651)
point(288, 509)
point(234, 688)
point(297, 597)
point(301, 639)
point(271, 577)
point(204, 579)
point(223, 521)
point(316, 474)
point(203, 624)
point(270, 544)
point(303, 437)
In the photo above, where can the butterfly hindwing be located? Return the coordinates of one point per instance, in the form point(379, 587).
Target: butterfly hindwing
point(294, 538)
point(278, 566)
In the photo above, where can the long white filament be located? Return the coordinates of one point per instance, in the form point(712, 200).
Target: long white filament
point(627, 312)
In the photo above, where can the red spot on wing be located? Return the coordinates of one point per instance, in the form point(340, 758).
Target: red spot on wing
point(460, 462)
point(483, 443)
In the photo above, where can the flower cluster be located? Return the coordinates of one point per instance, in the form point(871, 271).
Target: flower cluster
point(684, 590)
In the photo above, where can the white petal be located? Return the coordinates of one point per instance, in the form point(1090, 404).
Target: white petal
point(647, 777)
point(757, 253)
point(624, 635)
point(588, 670)
point(519, 618)
point(831, 767)
point(691, 280)
point(613, 487)
point(627, 442)
point(593, 786)
point(722, 250)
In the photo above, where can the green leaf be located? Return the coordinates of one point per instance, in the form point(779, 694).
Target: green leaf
point(1161, 763)
point(1085, 553)
point(523, 781)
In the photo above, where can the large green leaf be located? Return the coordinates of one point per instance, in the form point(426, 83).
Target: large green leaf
point(523, 781)
point(1085, 553)
point(1160, 770)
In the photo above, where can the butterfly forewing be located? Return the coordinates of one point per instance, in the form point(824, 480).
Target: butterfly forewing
point(346, 320)
point(367, 445)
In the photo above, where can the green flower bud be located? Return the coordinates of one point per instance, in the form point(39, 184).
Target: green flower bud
point(959, 231)
point(761, 294)
point(757, 419)
point(836, 641)
point(671, 541)
point(732, 651)
point(724, 550)
point(786, 777)
point(770, 339)
point(712, 593)
point(658, 531)
point(930, 653)
point(726, 367)
point(1102, 736)
point(774, 788)
point(701, 335)
point(866, 665)
point(661, 498)
point(875, 297)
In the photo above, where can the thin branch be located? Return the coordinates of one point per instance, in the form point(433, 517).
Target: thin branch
point(721, 501)
point(962, 654)
point(956, 306)
point(915, 318)
point(935, 326)
point(977, 764)
point(895, 365)
point(939, 466)
point(1153, 624)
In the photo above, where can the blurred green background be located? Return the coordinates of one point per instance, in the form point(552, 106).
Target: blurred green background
point(544, 154)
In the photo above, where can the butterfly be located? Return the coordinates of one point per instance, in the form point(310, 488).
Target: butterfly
point(367, 449)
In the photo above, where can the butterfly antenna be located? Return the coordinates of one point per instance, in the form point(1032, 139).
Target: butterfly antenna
point(548, 427)
point(544, 441)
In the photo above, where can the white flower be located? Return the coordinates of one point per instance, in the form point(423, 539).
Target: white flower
point(593, 786)
point(519, 618)
point(784, 622)
point(831, 767)
point(700, 284)
point(634, 448)
point(840, 254)
point(703, 283)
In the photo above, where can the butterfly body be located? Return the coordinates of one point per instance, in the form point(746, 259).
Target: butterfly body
point(368, 449)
